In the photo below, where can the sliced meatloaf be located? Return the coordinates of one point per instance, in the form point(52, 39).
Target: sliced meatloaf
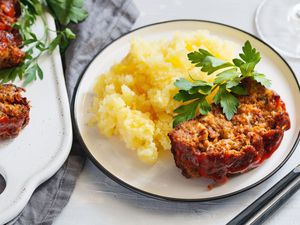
point(214, 147)
point(10, 38)
point(14, 111)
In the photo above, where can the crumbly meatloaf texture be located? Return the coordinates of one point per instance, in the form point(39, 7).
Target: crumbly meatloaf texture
point(212, 146)
point(10, 38)
point(14, 111)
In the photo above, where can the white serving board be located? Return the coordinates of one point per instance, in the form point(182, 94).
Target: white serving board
point(44, 144)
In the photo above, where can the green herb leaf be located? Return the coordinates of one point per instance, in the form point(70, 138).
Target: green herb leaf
point(237, 62)
point(250, 54)
point(261, 78)
point(198, 56)
point(247, 69)
point(185, 112)
point(205, 90)
point(30, 74)
point(227, 83)
point(204, 107)
point(228, 101)
point(40, 72)
point(193, 88)
point(188, 111)
point(211, 64)
point(229, 104)
point(69, 34)
point(234, 82)
point(218, 95)
point(5, 75)
point(227, 75)
point(184, 96)
point(239, 90)
point(31, 10)
point(56, 41)
point(66, 11)
point(207, 61)
point(33, 6)
point(183, 84)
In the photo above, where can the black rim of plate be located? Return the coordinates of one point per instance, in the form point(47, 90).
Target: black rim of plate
point(160, 197)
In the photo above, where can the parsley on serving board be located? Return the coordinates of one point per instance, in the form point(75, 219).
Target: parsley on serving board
point(64, 12)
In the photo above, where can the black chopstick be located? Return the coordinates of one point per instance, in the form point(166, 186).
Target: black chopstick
point(260, 206)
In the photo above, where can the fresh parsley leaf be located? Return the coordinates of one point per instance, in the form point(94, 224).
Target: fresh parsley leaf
point(250, 54)
point(204, 106)
point(62, 40)
point(69, 34)
point(207, 61)
point(186, 108)
point(261, 78)
point(195, 87)
point(247, 69)
point(40, 72)
point(205, 89)
point(238, 62)
point(31, 73)
point(28, 41)
point(227, 83)
point(56, 41)
point(183, 84)
point(6, 75)
point(66, 11)
point(198, 56)
point(34, 6)
point(239, 90)
point(249, 58)
point(184, 96)
point(229, 104)
point(185, 112)
point(227, 75)
point(228, 101)
point(218, 95)
point(201, 83)
point(188, 111)
point(234, 82)
point(212, 64)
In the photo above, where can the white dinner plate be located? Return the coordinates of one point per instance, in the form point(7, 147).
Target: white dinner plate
point(164, 179)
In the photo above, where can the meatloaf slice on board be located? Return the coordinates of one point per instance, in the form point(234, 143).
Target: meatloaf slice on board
point(10, 38)
point(14, 111)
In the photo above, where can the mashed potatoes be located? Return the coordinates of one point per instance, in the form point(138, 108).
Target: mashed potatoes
point(134, 100)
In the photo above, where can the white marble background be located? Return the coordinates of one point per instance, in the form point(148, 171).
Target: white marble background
point(99, 200)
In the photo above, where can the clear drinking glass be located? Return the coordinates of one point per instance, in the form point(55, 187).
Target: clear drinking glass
point(278, 23)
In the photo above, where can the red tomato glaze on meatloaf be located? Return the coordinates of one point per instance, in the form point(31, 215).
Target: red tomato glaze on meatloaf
point(14, 111)
point(212, 146)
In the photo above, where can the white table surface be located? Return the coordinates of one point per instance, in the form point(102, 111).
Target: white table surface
point(99, 200)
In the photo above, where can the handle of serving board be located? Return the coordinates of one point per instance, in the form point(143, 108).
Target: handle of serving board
point(10, 203)
point(261, 208)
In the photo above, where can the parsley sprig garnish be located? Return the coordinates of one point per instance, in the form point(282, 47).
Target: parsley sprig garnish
point(227, 83)
point(65, 12)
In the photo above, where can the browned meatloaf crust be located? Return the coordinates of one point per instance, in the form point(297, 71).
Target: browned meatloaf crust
point(10, 38)
point(14, 111)
point(211, 146)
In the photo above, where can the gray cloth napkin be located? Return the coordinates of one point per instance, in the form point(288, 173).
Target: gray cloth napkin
point(108, 19)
